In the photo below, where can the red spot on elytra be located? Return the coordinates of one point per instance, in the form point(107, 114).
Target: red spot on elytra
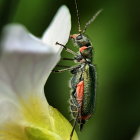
point(80, 92)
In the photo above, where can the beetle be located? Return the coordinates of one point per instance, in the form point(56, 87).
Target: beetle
point(83, 81)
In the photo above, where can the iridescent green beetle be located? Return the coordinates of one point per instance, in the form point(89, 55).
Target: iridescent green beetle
point(83, 82)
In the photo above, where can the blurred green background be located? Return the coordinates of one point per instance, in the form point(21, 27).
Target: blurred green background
point(116, 40)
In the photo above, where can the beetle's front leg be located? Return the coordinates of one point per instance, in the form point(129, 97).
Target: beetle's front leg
point(67, 49)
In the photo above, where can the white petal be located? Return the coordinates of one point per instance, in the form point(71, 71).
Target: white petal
point(59, 29)
point(25, 64)
point(17, 38)
point(137, 136)
point(9, 112)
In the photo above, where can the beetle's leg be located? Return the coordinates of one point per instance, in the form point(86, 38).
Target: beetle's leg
point(74, 111)
point(71, 120)
point(66, 69)
point(67, 49)
point(62, 70)
point(74, 126)
point(70, 59)
point(63, 66)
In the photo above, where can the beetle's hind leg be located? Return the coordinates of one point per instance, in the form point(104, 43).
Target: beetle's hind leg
point(74, 125)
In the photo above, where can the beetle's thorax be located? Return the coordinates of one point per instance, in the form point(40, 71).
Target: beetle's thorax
point(85, 48)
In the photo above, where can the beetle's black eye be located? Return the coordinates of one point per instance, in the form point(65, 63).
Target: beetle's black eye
point(78, 37)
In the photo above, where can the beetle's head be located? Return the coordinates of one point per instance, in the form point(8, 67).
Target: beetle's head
point(80, 40)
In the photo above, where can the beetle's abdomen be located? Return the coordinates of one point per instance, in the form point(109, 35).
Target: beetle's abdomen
point(83, 93)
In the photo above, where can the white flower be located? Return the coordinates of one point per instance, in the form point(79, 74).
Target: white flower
point(25, 65)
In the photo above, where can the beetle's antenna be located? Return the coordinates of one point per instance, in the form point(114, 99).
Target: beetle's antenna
point(78, 17)
point(91, 20)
